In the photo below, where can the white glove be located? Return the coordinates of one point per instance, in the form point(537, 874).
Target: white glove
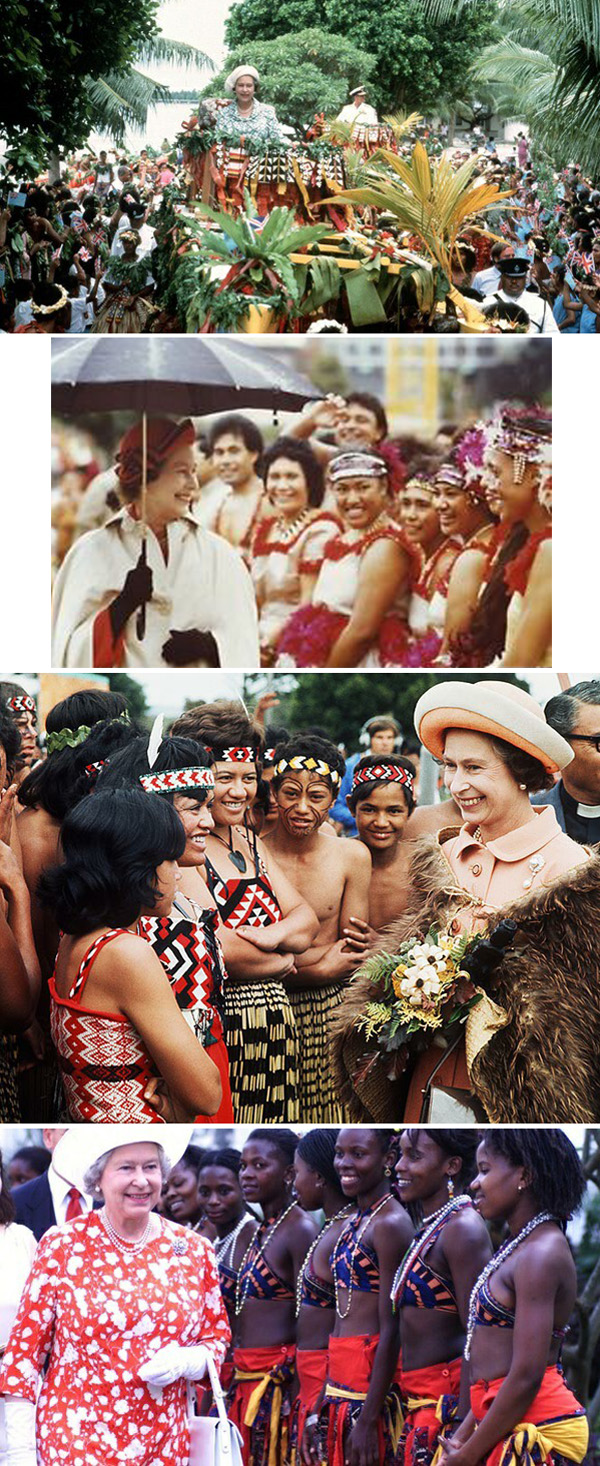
point(174, 1362)
point(19, 1416)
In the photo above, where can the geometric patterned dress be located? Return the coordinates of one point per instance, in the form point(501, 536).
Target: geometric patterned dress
point(260, 1028)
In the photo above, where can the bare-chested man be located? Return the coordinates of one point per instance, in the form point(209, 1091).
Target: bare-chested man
point(333, 875)
point(234, 447)
point(382, 802)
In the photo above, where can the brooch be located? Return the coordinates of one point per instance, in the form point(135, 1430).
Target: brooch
point(179, 1246)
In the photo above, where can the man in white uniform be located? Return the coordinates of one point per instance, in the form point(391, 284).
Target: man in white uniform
point(512, 291)
point(358, 113)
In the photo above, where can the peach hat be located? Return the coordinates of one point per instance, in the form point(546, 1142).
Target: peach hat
point(497, 708)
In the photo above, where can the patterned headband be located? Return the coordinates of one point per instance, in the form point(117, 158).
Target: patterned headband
point(269, 756)
point(312, 765)
point(71, 737)
point(382, 773)
point(173, 781)
point(361, 465)
point(241, 755)
point(92, 769)
point(22, 704)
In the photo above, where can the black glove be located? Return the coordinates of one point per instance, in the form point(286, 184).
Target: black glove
point(136, 591)
point(482, 963)
point(184, 647)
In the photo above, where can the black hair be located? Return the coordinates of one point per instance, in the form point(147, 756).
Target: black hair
point(239, 427)
point(10, 738)
point(59, 781)
point(124, 770)
point(219, 725)
point(192, 1159)
point(372, 404)
point(301, 453)
point(48, 295)
point(113, 844)
point(557, 1178)
point(310, 746)
point(317, 1150)
point(279, 1137)
point(228, 1158)
point(7, 1205)
point(36, 1156)
point(461, 1143)
point(370, 761)
point(561, 711)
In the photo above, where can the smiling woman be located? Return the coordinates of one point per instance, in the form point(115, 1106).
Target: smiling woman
point(151, 587)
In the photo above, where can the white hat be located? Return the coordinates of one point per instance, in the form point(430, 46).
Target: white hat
point(235, 75)
point(498, 709)
point(81, 1145)
point(355, 91)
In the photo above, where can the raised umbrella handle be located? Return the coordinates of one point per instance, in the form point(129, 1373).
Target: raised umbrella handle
point(140, 622)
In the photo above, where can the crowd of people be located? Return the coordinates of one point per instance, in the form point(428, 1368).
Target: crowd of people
point(79, 253)
point(338, 546)
point(366, 1295)
point(186, 934)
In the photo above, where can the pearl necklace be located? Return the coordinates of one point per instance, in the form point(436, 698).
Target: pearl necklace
point(368, 1216)
point(495, 1262)
point(122, 1243)
point(270, 1228)
point(420, 1240)
point(230, 1240)
point(325, 1228)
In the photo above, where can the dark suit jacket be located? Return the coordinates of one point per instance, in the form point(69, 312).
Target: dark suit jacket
point(33, 1201)
point(552, 797)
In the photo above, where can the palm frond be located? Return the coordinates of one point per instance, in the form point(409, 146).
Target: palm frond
point(163, 48)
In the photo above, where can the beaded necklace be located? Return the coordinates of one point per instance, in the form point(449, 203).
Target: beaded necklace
point(229, 1241)
point(495, 1262)
point(270, 1230)
point(420, 1240)
point(325, 1228)
point(367, 1216)
point(122, 1243)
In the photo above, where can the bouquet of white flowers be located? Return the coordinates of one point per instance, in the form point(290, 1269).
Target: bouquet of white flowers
point(423, 990)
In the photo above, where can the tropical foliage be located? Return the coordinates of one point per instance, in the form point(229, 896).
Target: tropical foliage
point(545, 70)
point(301, 74)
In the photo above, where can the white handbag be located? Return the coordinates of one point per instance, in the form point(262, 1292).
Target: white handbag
point(214, 1440)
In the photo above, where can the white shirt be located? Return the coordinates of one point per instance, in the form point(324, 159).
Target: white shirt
point(361, 116)
point(487, 281)
point(542, 322)
point(204, 586)
point(59, 1191)
point(146, 237)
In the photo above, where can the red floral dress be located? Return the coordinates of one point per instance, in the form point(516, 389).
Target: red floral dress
point(88, 1318)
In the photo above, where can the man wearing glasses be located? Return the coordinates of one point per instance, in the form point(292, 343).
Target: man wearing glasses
point(575, 714)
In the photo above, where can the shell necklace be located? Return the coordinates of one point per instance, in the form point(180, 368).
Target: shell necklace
point(286, 529)
point(495, 1262)
point(345, 1211)
point(420, 1240)
point(122, 1243)
point(270, 1230)
point(224, 1243)
point(367, 1216)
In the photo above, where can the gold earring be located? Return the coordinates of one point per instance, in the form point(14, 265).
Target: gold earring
point(450, 1188)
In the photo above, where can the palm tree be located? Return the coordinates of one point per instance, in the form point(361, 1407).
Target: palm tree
point(123, 100)
point(546, 71)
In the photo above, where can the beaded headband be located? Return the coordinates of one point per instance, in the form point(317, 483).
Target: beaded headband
point(382, 773)
point(71, 737)
point(351, 465)
point(237, 755)
point(22, 704)
point(172, 781)
point(301, 761)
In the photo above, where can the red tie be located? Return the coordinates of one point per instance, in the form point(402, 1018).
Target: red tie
point(74, 1208)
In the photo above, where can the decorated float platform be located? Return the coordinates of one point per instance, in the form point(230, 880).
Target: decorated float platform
point(270, 235)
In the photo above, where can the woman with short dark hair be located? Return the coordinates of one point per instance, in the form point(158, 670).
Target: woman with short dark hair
point(124, 1048)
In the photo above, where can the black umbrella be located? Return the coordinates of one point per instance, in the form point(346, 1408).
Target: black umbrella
point(185, 375)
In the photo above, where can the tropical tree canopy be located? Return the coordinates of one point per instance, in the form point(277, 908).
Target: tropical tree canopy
point(302, 73)
point(417, 63)
point(545, 70)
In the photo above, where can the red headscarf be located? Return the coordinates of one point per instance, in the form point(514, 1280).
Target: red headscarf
point(163, 435)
